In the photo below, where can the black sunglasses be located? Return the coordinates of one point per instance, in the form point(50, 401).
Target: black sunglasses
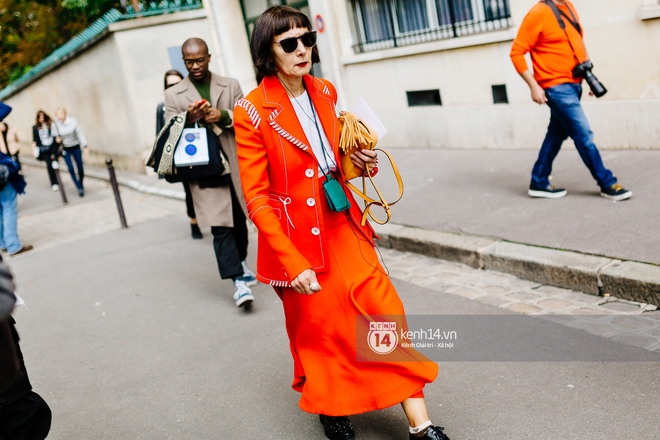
point(289, 45)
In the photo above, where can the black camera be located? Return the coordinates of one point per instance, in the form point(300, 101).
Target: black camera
point(583, 70)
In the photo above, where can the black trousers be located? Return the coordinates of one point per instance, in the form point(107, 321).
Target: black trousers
point(230, 244)
point(51, 171)
point(24, 415)
point(190, 207)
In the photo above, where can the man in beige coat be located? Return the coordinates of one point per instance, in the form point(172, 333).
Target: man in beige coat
point(210, 99)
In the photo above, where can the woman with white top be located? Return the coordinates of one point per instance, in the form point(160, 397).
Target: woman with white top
point(72, 138)
point(43, 139)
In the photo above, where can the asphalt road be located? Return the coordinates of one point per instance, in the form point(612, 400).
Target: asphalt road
point(132, 335)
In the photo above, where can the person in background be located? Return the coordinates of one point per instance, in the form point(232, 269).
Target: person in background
point(173, 77)
point(44, 133)
point(4, 110)
point(555, 54)
point(24, 415)
point(9, 143)
point(209, 99)
point(11, 185)
point(72, 138)
point(322, 263)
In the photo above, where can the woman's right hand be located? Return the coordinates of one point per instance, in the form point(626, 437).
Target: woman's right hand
point(303, 282)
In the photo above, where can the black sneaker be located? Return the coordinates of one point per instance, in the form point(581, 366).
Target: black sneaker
point(432, 433)
point(338, 428)
point(196, 232)
point(615, 192)
point(549, 192)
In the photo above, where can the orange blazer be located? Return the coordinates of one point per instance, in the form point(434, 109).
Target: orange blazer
point(279, 174)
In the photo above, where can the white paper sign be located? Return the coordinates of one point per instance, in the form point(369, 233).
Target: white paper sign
point(364, 112)
point(192, 149)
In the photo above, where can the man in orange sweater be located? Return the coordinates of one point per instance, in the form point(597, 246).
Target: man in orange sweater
point(555, 52)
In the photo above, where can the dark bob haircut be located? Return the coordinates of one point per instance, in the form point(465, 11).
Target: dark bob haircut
point(275, 21)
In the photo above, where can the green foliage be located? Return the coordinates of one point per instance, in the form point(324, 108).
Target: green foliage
point(31, 29)
point(18, 72)
point(72, 4)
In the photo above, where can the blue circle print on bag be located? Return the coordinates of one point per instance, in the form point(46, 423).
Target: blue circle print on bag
point(191, 150)
point(190, 137)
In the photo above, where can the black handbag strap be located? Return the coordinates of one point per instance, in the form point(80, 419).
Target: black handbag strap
point(559, 14)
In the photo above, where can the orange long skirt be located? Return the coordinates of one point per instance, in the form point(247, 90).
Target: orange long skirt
point(322, 331)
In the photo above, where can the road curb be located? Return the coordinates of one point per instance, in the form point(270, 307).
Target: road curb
point(592, 274)
point(571, 270)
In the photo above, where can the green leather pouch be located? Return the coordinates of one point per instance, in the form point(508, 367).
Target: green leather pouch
point(335, 194)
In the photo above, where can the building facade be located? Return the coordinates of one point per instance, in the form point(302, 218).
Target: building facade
point(437, 72)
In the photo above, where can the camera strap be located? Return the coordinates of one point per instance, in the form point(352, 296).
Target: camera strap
point(559, 14)
point(574, 21)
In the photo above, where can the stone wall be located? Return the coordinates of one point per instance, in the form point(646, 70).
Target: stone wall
point(113, 87)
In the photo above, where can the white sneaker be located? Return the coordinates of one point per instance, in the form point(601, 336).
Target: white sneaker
point(243, 294)
point(55, 187)
point(248, 276)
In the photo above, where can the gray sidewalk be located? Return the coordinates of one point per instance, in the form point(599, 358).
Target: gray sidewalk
point(472, 207)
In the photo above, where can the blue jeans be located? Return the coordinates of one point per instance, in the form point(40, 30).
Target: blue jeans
point(9, 220)
point(567, 118)
point(77, 156)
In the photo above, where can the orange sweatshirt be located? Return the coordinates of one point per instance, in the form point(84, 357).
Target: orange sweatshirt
point(552, 56)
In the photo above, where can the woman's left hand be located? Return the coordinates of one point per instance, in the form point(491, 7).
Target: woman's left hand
point(362, 157)
point(86, 150)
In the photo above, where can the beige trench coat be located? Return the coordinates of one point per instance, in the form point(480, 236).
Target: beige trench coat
point(212, 205)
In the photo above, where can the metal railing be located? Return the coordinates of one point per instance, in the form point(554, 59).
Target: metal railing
point(384, 24)
point(149, 8)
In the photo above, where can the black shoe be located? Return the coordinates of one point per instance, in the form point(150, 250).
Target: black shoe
point(549, 192)
point(432, 433)
point(338, 428)
point(81, 192)
point(196, 232)
point(615, 192)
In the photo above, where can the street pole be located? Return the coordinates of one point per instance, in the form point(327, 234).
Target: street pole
point(115, 189)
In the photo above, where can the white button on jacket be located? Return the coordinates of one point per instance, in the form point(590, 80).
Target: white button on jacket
point(311, 202)
point(309, 172)
point(316, 231)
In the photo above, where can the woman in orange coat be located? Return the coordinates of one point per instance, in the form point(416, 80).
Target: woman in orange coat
point(322, 263)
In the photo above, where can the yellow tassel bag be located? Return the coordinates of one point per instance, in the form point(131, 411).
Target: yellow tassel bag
point(355, 136)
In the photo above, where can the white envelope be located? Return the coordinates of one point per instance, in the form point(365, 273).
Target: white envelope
point(364, 112)
point(192, 149)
